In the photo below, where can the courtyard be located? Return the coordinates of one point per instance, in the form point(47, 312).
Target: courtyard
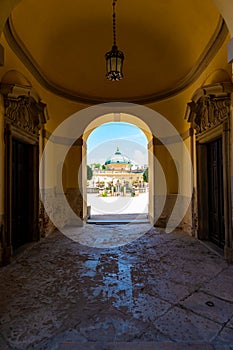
point(118, 205)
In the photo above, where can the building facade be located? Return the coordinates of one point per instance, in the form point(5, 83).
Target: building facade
point(118, 176)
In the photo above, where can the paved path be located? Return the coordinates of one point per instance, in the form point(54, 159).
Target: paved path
point(118, 205)
point(162, 291)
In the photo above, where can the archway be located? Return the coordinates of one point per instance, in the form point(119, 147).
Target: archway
point(118, 189)
point(165, 144)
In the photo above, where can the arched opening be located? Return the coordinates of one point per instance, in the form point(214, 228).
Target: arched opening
point(117, 152)
point(117, 185)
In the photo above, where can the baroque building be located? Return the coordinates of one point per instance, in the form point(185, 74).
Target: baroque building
point(119, 177)
point(118, 162)
point(177, 88)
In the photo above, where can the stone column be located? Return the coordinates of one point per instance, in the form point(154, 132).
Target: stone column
point(83, 181)
point(151, 180)
point(76, 181)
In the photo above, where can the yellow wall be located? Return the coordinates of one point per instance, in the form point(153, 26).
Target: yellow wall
point(48, 178)
point(169, 168)
point(174, 108)
point(72, 163)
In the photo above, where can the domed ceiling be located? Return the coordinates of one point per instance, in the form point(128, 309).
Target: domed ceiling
point(166, 44)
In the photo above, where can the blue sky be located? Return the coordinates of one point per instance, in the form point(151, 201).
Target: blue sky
point(104, 140)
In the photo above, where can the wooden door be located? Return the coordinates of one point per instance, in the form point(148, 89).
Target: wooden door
point(215, 192)
point(22, 206)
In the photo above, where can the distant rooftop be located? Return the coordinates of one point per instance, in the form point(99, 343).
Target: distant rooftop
point(118, 158)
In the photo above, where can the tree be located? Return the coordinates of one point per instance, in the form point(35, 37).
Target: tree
point(97, 165)
point(103, 167)
point(89, 173)
point(145, 175)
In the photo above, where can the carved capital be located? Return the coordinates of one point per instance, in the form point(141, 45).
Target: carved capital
point(208, 112)
point(23, 108)
point(25, 113)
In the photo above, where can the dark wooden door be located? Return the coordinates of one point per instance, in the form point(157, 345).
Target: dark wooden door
point(21, 189)
point(215, 192)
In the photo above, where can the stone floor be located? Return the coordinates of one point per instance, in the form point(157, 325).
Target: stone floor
point(161, 291)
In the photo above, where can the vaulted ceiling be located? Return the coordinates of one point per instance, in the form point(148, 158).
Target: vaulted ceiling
point(167, 44)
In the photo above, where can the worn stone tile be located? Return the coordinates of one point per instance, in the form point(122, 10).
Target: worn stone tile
point(111, 325)
point(147, 307)
point(113, 236)
point(30, 328)
point(70, 337)
point(230, 323)
point(168, 290)
point(224, 341)
point(222, 346)
point(221, 286)
point(208, 306)
point(151, 334)
point(182, 325)
point(135, 346)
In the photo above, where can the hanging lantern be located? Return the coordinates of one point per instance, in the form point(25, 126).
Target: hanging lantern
point(114, 58)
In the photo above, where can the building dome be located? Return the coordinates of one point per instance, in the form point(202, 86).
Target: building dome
point(118, 161)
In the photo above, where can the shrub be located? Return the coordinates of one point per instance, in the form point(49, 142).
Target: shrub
point(145, 175)
point(89, 173)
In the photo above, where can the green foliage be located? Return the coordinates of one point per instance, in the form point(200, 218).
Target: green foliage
point(97, 165)
point(145, 175)
point(104, 194)
point(103, 167)
point(89, 173)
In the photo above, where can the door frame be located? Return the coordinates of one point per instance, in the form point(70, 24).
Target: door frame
point(215, 192)
point(24, 115)
point(10, 134)
point(223, 132)
point(209, 113)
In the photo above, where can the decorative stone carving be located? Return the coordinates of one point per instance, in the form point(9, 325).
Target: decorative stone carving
point(23, 108)
point(209, 112)
point(25, 113)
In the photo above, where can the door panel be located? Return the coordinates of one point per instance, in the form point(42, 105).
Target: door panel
point(215, 192)
point(21, 159)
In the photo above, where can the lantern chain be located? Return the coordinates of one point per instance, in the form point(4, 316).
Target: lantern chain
point(114, 22)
